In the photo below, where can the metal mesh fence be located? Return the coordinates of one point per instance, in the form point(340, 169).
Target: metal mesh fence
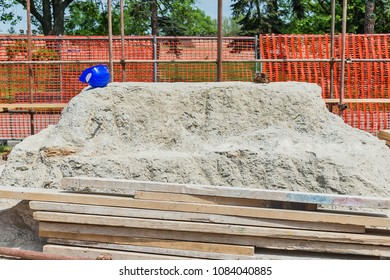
point(57, 62)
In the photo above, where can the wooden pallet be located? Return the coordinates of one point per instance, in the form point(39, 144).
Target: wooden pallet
point(151, 220)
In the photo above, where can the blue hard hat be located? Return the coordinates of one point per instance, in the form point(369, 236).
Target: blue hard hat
point(96, 76)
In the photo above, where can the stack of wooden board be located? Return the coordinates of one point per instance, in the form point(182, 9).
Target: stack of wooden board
point(384, 135)
point(151, 220)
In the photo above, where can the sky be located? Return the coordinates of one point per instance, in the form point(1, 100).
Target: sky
point(209, 6)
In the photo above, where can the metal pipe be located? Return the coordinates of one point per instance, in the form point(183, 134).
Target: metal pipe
point(110, 48)
point(219, 42)
point(98, 38)
point(33, 255)
point(29, 51)
point(61, 74)
point(257, 55)
point(359, 100)
point(123, 62)
point(332, 34)
point(30, 70)
point(342, 74)
point(54, 62)
point(32, 126)
point(155, 58)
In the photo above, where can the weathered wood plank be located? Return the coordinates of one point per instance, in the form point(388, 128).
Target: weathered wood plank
point(93, 253)
point(262, 255)
point(189, 252)
point(260, 242)
point(203, 199)
point(131, 186)
point(213, 228)
point(13, 106)
point(240, 211)
point(328, 247)
point(206, 199)
point(155, 243)
point(193, 217)
point(384, 134)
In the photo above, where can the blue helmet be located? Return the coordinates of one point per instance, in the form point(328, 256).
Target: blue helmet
point(96, 76)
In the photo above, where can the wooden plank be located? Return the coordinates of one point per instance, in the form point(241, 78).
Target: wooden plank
point(212, 228)
point(149, 249)
point(13, 106)
point(206, 199)
point(262, 255)
point(131, 186)
point(326, 247)
point(155, 243)
point(260, 242)
point(240, 211)
point(92, 253)
point(194, 217)
point(384, 134)
point(358, 100)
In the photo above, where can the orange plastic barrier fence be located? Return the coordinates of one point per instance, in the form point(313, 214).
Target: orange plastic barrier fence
point(189, 59)
point(363, 80)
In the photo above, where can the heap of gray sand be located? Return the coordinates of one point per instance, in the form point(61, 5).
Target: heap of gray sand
point(271, 136)
point(241, 134)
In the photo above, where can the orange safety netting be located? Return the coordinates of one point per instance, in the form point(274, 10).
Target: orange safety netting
point(58, 83)
point(363, 80)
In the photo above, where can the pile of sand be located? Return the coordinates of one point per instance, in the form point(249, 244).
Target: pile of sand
point(274, 136)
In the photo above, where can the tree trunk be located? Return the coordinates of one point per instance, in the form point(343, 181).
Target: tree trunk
point(58, 16)
point(46, 20)
point(154, 18)
point(369, 18)
point(52, 15)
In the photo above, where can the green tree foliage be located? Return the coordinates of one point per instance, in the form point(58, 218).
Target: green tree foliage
point(157, 17)
point(172, 17)
point(89, 17)
point(7, 16)
point(230, 27)
point(259, 16)
point(308, 16)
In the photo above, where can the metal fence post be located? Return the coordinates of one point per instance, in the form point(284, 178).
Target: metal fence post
point(257, 56)
point(342, 106)
point(155, 58)
point(61, 74)
point(332, 34)
point(123, 62)
point(32, 126)
point(29, 51)
point(110, 47)
point(219, 42)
